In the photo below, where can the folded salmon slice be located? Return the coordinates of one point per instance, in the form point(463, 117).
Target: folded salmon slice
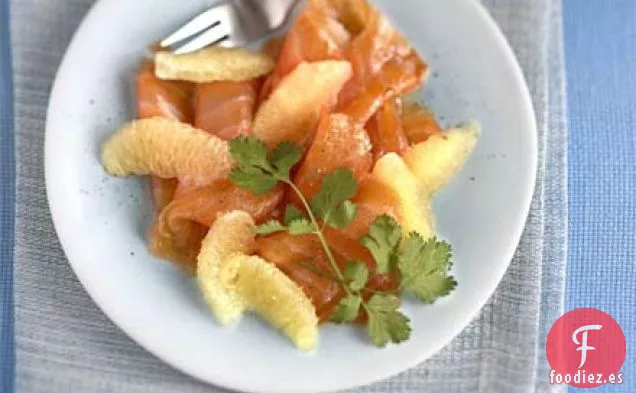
point(172, 100)
point(289, 253)
point(384, 67)
point(182, 247)
point(397, 77)
point(315, 36)
point(419, 123)
point(374, 199)
point(203, 205)
point(353, 14)
point(377, 44)
point(273, 47)
point(386, 131)
point(178, 231)
point(226, 109)
point(404, 75)
point(303, 259)
point(338, 143)
point(163, 192)
point(156, 97)
point(169, 99)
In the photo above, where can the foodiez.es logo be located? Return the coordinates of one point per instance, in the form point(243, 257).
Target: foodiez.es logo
point(586, 348)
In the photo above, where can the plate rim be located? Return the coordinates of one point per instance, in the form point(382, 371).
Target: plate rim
point(525, 97)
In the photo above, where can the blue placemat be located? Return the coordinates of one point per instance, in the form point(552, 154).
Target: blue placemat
point(602, 96)
point(65, 344)
point(600, 42)
point(7, 196)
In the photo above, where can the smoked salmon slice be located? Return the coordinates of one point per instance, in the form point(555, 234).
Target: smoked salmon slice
point(315, 36)
point(419, 123)
point(160, 98)
point(203, 205)
point(178, 231)
point(368, 122)
point(303, 259)
point(377, 44)
point(386, 131)
point(169, 99)
point(226, 109)
point(172, 100)
point(384, 67)
point(182, 248)
point(163, 191)
point(397, 77)
point(338, 143)
point(290, 253)
point(374, 199)
point(273, 47)
point(353, 14)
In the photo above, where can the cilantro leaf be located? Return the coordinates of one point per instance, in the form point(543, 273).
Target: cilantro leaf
point(395, 324)
point(347, 310)
point(256, 170)
point(270, 227)
point(383, 303)
point(301, 226)
point(424, 267)
point(431, 287)
point(284, 157)
point(383, 241)
point(342, 215)
point(386, 323)
point(332, 203)
point(250, 152)
point(297, 221)
point(357, 275)
point(253, 179)
point(292, 213)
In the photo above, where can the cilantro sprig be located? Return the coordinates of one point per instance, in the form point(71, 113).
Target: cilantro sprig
point(422, 265)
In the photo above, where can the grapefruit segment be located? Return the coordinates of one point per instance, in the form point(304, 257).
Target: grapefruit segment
point(213, 64)
point(291, 113)
point(232, 234)
point(234, 282)
point(269, 293)
point(416, 212)
point(436, 161)
point(168, 149)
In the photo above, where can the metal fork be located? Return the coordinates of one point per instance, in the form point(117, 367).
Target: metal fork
point(231, 24)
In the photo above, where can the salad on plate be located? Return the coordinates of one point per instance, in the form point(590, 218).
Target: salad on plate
point(295, 182)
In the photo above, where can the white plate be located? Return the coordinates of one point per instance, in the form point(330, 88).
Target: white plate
point(101, 221)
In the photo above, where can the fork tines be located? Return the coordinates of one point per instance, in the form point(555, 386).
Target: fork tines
point(209, 27)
